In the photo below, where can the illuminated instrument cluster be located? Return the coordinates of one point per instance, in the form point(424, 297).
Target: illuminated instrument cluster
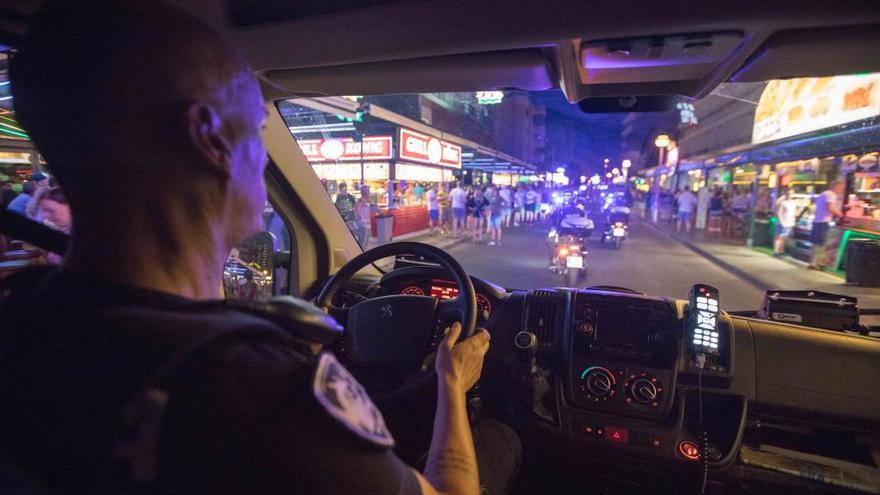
point(442, 289)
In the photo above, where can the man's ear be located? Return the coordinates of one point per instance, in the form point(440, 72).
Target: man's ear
point(204, 126)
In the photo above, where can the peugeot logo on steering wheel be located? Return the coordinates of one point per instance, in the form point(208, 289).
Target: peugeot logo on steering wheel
point(387, 314)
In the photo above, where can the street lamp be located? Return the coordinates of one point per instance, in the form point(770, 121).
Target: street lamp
point(661, 142)
point(626, 164)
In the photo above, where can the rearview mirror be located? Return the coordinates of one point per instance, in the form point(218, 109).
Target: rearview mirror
point(249, 268)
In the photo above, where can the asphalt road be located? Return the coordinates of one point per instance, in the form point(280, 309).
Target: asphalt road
point(648, 262)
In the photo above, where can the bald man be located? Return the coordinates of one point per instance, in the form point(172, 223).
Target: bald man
point(151, 122)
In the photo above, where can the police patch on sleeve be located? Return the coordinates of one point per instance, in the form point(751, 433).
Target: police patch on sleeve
point(347, 401)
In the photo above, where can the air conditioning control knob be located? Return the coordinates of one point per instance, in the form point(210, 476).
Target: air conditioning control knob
point(598, 383)
point(643, 391)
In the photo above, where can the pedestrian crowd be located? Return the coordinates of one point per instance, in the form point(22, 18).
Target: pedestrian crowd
point(475, 210)
point(455, 209)
point(729, 211)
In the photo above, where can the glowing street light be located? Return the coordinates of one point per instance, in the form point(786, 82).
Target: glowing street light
point(608, 175)
point(560, 170)
point(583, 179)
point(615, 171)
point(626, 164)
point(661, 142)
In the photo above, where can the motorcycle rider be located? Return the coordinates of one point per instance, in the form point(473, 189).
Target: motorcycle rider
point(570, 221)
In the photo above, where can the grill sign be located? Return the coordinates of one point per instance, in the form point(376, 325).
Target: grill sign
point(347, 149)
point(420, 148)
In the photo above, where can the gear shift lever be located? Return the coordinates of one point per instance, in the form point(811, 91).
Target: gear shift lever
point(536, 385)
point(526, 346)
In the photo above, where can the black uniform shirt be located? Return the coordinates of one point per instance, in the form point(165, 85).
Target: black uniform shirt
point(242, 417)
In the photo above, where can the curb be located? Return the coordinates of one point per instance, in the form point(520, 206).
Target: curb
point(412, 236)
point(755, 281)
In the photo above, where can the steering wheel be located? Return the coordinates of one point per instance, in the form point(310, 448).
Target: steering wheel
point(392, 337)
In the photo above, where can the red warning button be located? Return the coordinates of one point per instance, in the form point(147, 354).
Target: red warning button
point(689, 451)
point(616, 434)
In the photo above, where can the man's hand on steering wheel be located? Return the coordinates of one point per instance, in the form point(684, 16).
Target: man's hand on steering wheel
point(459, 364)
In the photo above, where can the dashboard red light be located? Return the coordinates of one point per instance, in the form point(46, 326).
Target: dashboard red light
point(618, 435)
point(413, 290)
point(444, 291)
point(689, 451)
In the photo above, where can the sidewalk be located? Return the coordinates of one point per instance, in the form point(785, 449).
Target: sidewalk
point(764, 271)
point(442, 241)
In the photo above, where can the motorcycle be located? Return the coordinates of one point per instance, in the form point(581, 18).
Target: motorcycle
point(568, 257)
point(616, 227)
point(615, 233)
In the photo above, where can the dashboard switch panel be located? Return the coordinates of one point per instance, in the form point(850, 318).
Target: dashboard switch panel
point(623, 354)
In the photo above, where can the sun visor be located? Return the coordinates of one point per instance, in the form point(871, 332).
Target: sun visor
point(814, 53)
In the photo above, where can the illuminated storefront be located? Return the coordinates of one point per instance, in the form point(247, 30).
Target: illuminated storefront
point(398, 158)
point(808, 132)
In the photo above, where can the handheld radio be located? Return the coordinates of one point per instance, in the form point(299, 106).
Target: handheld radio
point(703, 320)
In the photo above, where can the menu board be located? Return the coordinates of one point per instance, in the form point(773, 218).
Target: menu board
point(796, 106)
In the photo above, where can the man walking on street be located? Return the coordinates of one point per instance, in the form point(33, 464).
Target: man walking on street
point(519, 199)
point(433, 210)
point(531, 204)
point(364, 210)
point(785, 210)
point(827, 209)
point(507, 213)
point(458, 199)
point(497, 205)
point(687, 202)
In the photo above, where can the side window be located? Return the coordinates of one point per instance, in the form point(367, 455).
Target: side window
point(260, 266)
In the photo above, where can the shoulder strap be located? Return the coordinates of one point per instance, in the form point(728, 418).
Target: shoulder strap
point(143, 416)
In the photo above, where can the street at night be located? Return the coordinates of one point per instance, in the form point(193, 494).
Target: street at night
point(648, 262)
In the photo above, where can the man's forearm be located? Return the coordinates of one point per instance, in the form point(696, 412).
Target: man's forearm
point(452, 462)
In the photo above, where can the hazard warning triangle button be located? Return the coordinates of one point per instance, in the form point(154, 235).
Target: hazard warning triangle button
point(618, 435)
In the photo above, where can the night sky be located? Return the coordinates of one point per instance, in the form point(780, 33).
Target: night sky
point(584, 140)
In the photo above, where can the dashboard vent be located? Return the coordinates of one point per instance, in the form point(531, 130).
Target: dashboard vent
point(542, 315)
point(544, 293)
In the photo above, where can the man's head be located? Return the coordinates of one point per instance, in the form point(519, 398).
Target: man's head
point(40, 180)
point(52, 206)
point(838, 187)
point(343, 189)
point(139, 96)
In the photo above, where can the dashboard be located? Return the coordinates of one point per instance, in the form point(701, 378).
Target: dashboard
point(610, 376)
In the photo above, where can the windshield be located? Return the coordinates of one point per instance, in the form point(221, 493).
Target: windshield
point(757, 186)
